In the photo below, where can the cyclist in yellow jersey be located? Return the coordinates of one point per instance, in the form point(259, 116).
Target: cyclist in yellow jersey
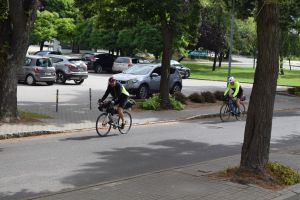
point(237, 91)
point(119, 94)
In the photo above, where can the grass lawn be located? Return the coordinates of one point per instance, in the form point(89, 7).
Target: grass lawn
point(30, 115)
point(243, 74)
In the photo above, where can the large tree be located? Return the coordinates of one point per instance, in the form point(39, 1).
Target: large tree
point(256, 146)
point(174, 18)
point(16, 19)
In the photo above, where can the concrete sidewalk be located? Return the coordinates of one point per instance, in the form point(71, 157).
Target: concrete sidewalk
point(184, 183)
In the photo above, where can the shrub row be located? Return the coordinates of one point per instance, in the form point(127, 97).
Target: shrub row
point(294, 90)
point(202, 97)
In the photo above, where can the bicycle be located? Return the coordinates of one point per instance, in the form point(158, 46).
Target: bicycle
point(110, 118)
point(229, 108)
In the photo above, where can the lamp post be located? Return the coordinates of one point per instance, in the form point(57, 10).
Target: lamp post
point(231, 39)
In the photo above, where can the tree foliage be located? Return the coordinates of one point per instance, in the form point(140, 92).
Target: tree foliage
point(45, 26)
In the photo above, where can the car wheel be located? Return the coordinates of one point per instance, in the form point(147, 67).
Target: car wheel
point(49, 82)
point(78, 82)
point(98, 69)
point(176, 88)
point(187, 74)
point(143, 92)
point(60, 77)
point(30, 80)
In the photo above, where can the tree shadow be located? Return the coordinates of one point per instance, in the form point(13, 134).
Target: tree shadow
point(125, 162)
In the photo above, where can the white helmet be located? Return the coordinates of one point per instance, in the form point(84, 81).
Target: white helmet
point(231, 79)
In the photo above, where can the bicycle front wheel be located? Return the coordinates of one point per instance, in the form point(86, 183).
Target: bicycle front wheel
point(242, 113)
point(225, 112)
point(102, 125)
point(128, 123)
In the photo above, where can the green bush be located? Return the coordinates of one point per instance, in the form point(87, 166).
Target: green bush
point(284, 175)
point(219, 95)
point(180, 97)
point(196, 97)
point(176, 105)
point(209, 97)
point(153, 103)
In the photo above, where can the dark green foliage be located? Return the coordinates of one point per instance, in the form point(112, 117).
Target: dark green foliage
point(196, 97)
point(209, 97)
point(180, 97)
point(219, 95)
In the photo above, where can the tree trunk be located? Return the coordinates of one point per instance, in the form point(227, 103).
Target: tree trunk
point(165, 68)
point(256, 146)
point(75, 47)
point(221, 59)
point(13, 46)
point(42, 45)
point(215, 61)
point(281, 66)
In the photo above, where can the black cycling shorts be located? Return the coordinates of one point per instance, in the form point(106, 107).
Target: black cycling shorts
point(240, 94)
point(121, 102)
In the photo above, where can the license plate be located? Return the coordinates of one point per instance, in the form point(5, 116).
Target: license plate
point(48, 73)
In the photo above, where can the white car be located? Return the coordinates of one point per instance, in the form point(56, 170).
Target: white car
point(123, 63)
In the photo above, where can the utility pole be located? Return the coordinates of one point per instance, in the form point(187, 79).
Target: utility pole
point(231, 39)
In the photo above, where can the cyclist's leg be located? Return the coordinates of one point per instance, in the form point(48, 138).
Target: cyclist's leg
point(238, 101)
point(122, 103)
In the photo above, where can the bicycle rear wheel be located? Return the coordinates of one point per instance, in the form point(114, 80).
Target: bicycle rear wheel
point(242, 111)
point(225, 112)
point(102, 125)
point(128, 123)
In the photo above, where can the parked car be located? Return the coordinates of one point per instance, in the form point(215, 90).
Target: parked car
point(184, 71)
point(44, 53)
point(69, 68)
point(144, 79)
point(37, 69)
point(123, 63)
point(99, 62)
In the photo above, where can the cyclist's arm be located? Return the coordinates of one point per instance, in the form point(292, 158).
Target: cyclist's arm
point(237, 88)
point(106, 94)
point(227, 90)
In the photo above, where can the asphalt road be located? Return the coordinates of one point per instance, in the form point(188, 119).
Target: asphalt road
point(31, 166)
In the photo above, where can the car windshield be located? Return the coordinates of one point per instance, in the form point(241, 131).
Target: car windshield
point(139, 70)
point(43, 62)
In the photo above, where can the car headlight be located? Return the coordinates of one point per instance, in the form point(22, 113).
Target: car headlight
point(132, 81)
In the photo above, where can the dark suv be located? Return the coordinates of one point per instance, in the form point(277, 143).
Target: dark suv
point(99, 62)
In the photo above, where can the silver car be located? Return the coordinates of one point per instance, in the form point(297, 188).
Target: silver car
point(37, 69)
point(144, 79)
point(69, 68)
